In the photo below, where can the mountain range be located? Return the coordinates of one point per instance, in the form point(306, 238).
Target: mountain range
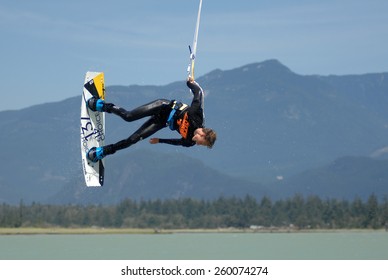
point(278, 133)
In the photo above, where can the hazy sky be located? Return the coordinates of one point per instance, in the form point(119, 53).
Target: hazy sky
point(47, 46)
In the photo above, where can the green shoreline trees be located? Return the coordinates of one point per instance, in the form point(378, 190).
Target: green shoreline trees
point(299, 212)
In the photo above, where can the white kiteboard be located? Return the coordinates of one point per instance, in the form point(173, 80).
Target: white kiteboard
point(92, 129)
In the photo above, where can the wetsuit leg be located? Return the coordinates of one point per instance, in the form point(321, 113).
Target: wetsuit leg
point(157, 110)
point(147, 129)
point(149, 109)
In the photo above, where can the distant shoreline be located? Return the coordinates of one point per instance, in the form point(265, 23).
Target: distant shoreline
point(97, 230)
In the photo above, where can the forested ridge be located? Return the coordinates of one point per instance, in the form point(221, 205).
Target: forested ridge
point(317, 133)
point(297, 211)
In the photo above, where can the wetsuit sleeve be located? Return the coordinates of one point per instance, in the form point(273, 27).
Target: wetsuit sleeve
point(197, 91)
point(176, 142)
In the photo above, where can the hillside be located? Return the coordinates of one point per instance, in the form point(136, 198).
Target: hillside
point(271, 123)
point(345, 178)
point(144, 175)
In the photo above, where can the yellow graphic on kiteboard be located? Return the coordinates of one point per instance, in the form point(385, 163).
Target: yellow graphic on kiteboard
point(94, 84)
point(92, 129)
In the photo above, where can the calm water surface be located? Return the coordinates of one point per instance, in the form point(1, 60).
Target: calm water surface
point(203, 246)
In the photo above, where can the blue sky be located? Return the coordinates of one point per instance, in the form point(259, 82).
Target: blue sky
point(47, 46)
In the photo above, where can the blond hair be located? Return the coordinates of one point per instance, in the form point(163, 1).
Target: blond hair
point(210, 137)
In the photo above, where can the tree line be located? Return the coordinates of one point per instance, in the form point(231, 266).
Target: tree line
point(297, 211)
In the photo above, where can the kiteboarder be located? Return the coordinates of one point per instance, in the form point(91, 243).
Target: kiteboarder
point(187, 120)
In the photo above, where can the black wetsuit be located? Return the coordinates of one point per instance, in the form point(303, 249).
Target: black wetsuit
point(162, 112)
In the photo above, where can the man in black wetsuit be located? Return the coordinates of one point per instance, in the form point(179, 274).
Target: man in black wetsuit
point(188, 121)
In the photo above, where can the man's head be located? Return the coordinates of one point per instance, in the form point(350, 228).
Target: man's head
point(205, 137)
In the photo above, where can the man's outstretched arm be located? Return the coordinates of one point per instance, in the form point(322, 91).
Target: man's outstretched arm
point(175, 142)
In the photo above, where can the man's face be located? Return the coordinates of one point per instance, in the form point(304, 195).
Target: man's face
point(199, 137)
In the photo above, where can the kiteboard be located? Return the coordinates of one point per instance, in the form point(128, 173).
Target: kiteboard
point(92, 129)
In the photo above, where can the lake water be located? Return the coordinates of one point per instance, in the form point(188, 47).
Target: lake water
point(363, 245)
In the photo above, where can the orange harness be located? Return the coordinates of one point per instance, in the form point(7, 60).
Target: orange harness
point(183, 125)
